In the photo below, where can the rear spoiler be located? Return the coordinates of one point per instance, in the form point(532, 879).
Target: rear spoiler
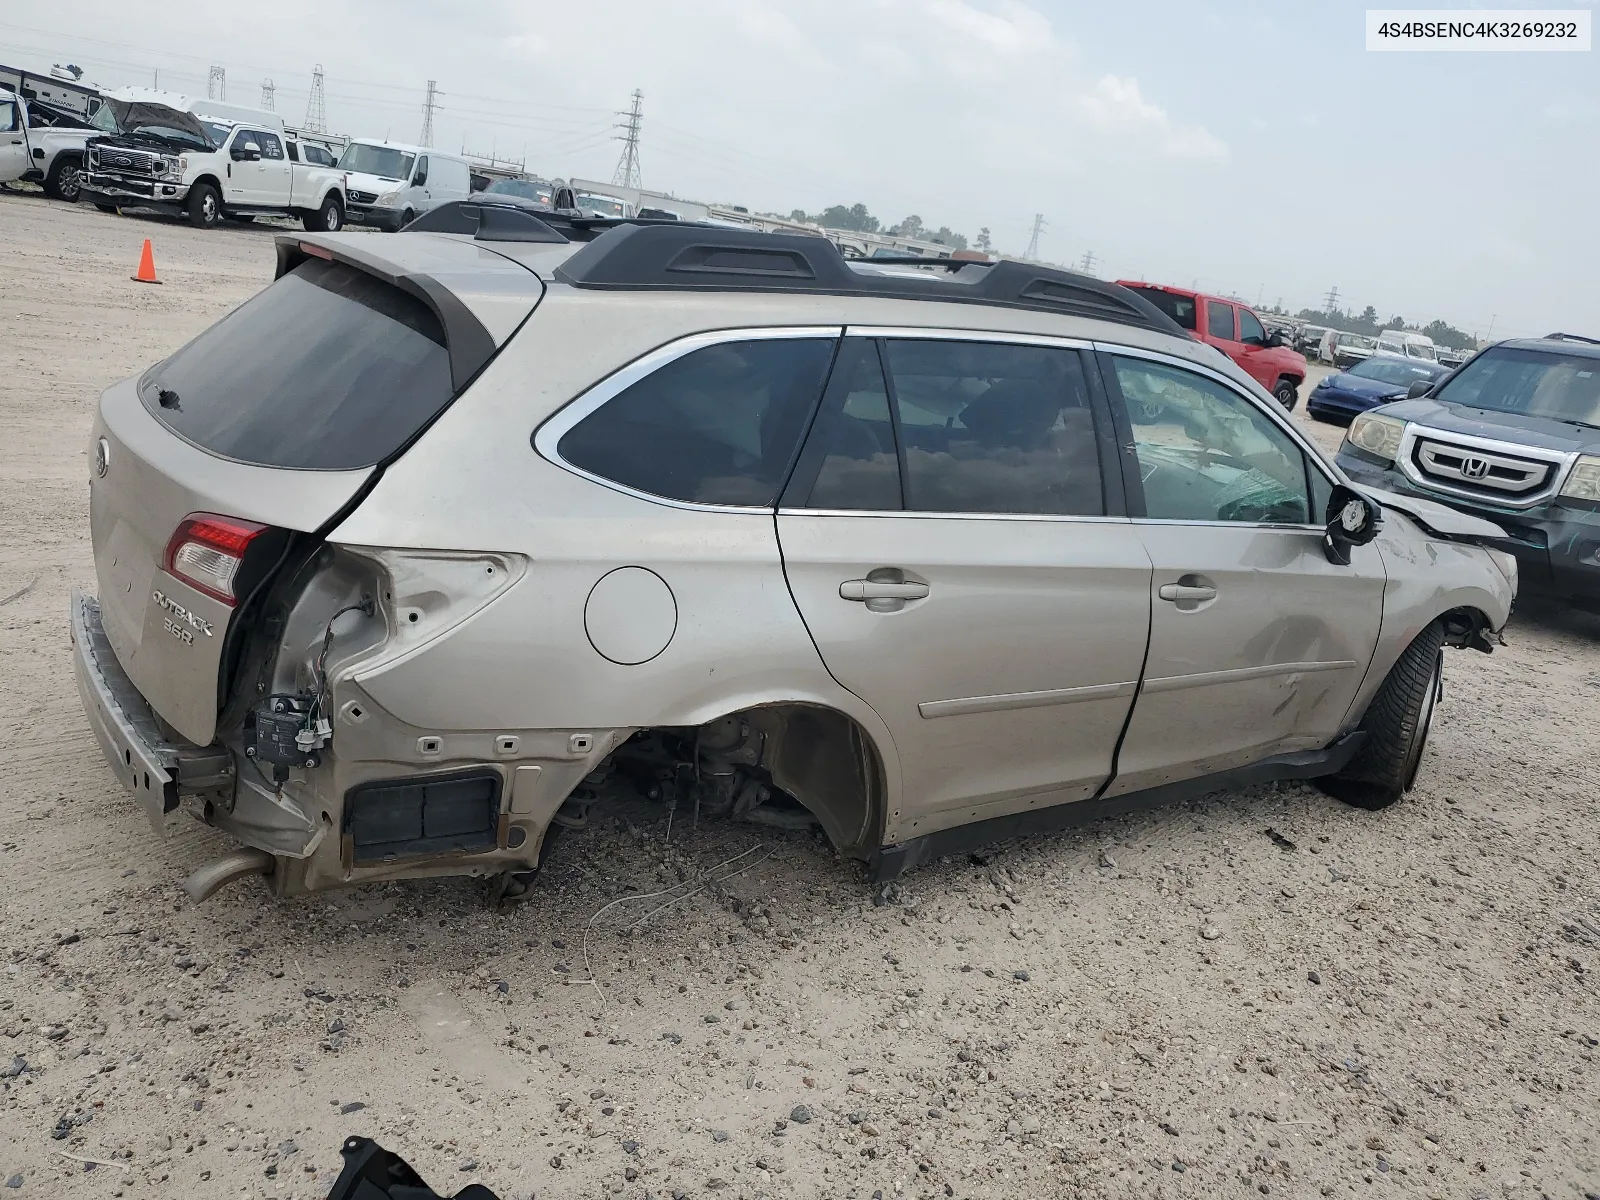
point(1445, 523)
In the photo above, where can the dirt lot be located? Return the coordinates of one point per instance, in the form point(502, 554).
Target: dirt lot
point(1262, 993)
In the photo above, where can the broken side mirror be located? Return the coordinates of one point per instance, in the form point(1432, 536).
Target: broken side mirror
point(1353, 520)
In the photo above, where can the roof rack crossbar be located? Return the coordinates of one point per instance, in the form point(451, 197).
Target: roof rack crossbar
point(680, 256)
point(1571, 337)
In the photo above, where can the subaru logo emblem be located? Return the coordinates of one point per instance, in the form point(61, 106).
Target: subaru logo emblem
point(102, 457)
point(1473, 467)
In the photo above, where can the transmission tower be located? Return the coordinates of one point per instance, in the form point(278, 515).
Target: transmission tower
point(429, 105)
point(316, 110)
point(217, 84)
point(1087, 265)
point(1330, 302)
point(627, 172)
point(1033, 240)
point(268, 88)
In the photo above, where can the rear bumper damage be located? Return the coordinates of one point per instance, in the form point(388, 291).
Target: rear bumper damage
point(144, 762)
point(365, 816)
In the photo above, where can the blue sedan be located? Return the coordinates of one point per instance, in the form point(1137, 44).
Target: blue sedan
point(1371, 382)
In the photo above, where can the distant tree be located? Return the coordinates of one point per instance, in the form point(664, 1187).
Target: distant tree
point(798, 214)
point(1367, 322)
point(984, 243)
point(948, 237)
point(911, 227)
point(1396, 322)
point(1444, 334)
point(856, 218)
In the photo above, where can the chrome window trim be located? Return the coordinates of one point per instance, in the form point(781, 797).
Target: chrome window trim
point(547, 437)
point(926, 514)
point(1562, 460)
point(916, 333)
point(1313, 452)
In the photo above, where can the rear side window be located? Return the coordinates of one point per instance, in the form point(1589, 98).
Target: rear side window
point(718, 426)
point(327, 369)
point(1219, 320)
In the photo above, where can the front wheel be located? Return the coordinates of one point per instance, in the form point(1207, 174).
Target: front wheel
point(205, 206)
point(1287, 393)
point(405, 219)
point(64, 180)
point(1396, 724)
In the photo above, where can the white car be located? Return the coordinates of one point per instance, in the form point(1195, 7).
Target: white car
point(593, 204)
point(391, 183)
point(1407, 345)
point(41, 144)
point(174, 154)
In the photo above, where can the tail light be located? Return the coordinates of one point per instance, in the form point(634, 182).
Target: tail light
point(207, 551)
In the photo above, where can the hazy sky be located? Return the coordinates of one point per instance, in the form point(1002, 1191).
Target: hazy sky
point(1256, 148)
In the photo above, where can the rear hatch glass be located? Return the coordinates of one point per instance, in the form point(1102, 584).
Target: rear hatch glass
point(327, 369)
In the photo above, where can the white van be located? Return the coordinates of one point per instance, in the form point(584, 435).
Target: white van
point(1407, 345)
point(390, 183)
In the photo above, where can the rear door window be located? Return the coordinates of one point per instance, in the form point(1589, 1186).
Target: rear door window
point(859, 469)
point(720, 425)
point(327, 369)
point(988, 427)
point(1219, 320)
point(271, 147)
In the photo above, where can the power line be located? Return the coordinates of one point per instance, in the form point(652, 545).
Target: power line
point(627, 172)
point(1087, 265)
point(267, 90)
point(316, 106)
point(1033, 240)
point(217, 84)
point(1330, 302)
point(428, 107)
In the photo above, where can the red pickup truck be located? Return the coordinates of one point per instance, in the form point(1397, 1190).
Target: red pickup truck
point(1236, 331)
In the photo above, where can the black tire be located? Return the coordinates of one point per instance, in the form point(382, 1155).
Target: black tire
point(105, 208)
point(327, 219)
point(205, 206)
point(1287, 393)
point(405, 219)
point(65, 180)
point(1396, 724)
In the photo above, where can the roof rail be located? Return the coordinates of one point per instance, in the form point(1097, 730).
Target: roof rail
point(674, 256)
point(1571, 337)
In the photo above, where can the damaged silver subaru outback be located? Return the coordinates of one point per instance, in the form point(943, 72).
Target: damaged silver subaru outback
point(438, 543)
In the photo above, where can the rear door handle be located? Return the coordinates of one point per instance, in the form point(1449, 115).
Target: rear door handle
point(872, 589)
point(1178, 592)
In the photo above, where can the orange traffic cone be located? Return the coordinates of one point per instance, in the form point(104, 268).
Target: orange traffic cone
point(147, 265)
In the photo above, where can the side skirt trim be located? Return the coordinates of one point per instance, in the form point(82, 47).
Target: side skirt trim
point(891, 862)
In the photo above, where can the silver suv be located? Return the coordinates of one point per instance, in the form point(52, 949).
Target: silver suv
point(433, 546)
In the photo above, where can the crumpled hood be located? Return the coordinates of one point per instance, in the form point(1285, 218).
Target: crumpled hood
point(1543, 432)
point(134, 117)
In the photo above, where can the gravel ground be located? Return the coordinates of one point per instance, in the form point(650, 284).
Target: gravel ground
point(1263, 993)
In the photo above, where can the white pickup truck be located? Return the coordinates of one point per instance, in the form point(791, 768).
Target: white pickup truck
point(40, 144)
point(163, 154)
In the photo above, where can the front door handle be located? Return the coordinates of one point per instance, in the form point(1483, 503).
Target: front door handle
point(872, 589)
point(1180, 592)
